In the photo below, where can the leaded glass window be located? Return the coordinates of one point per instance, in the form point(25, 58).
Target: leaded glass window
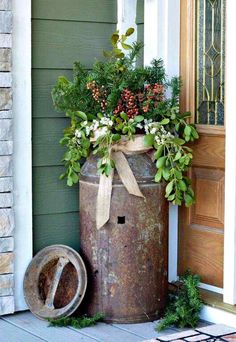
point(210, 50)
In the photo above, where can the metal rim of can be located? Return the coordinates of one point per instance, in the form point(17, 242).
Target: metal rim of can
point(61, 256)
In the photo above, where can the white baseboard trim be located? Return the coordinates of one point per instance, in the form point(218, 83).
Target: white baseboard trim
point(215, 315)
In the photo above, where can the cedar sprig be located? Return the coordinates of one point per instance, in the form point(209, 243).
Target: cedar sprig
point(184, 308)
point(76, 322)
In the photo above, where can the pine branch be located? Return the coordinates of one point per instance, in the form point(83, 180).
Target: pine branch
point(184, 309)
point(76, 322)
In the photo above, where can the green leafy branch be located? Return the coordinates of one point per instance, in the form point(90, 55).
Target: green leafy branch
point(119, 40)
point(172, 161)
point(77, 150)
point(132, 98)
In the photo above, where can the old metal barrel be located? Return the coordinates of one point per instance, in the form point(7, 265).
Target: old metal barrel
point(126, 260)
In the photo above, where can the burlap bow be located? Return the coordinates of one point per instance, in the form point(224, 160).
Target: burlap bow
point(118, 151)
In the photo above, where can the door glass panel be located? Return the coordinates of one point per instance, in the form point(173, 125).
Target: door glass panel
point(210, 50)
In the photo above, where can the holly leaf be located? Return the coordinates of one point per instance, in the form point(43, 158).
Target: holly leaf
point(81, 115)
point(177, 156)
point(126, 46)
point(161, 162)
point(138, 118)
point(187, 130)
point(114, 39)
point(166, 174)
point(158, 152)
point(148, 140)
point(129, 32)
point(182, 186)
point(107, 54)
point(158, 176)
point(165, 121)
point(178, 141)
point(169, 188)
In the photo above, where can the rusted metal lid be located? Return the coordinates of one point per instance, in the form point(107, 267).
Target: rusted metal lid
point(55, 282)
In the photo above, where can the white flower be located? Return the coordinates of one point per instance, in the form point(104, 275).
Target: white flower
point(163, 130)
point(147, 121)
point(153, 130)
point(131, 120)
point(106, 121)
point(157, 140)
point(146, 128)
point(100, 132)
point(95, 125)
point(77, 133)
point(139, 125)
point(87, 130)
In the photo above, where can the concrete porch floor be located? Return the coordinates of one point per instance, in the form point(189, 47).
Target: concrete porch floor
point(24, 327)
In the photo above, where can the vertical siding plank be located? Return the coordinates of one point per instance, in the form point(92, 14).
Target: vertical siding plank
point(62, 34)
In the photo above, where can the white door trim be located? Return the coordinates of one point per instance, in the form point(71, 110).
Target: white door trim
point(126, 17)
point(230, 158)
point(162, 40)
point(22, 156)
point(214, 315)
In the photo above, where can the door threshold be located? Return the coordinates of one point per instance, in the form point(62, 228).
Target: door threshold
point(210, 298)
point(215, 300)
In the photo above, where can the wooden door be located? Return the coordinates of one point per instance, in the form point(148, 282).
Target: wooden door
point(201, 228)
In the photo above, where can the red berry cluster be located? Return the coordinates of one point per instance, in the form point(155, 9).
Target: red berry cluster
point(128, 103)
point(154, 95)
point(99, 94)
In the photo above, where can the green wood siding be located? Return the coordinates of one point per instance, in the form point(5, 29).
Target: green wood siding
point(140, 26)
point(62, 31)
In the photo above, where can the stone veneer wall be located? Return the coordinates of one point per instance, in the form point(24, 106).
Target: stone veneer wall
point(6, 150)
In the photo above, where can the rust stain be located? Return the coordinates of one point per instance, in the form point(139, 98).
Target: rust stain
point(126, 262)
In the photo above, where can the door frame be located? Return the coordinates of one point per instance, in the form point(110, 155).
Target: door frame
point(160, 11)
point(188, 73)
point(230, 158)
point(22, 154)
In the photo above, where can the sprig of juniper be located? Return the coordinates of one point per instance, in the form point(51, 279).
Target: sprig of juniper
point(184, 308)
point(76, 322)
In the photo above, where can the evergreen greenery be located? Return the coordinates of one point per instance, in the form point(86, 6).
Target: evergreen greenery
point(184, 307)
point(117, 100)
point(76, 322)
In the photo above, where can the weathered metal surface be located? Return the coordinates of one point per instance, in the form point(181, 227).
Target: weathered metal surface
point(55, 282)
point(126, 259)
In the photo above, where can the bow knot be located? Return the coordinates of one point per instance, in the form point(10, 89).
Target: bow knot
point(118, 151)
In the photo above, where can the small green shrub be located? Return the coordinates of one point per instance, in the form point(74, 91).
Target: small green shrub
point(76, 322)
point(184, 307)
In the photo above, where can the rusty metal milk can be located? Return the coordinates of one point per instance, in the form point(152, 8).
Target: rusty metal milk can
point(126, 259)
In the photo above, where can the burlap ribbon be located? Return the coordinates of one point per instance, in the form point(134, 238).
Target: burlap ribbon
point(118, 151)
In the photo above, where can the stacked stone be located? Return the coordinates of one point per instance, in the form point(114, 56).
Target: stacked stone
point(6, 150)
